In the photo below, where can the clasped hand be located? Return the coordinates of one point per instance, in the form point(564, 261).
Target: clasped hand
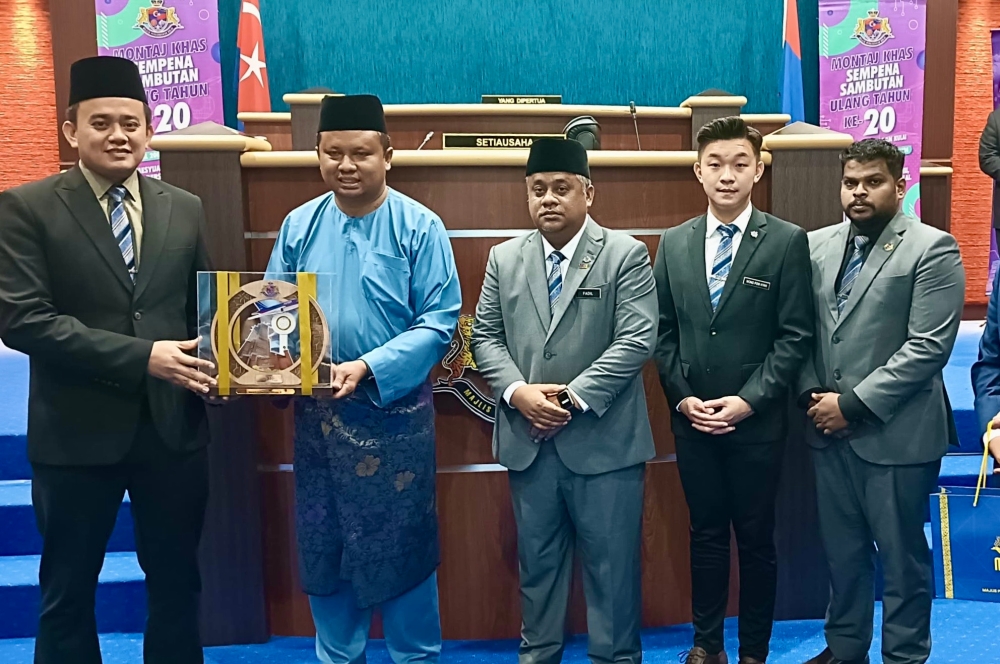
point(716, 416)
point(824, 409)
point(539, 405)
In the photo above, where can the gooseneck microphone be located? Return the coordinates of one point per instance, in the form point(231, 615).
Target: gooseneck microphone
point(426, 138)
point(631, 108)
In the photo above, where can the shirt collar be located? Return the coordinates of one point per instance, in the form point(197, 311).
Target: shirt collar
point(570, 247)
point(101, 184)
point(741, 221)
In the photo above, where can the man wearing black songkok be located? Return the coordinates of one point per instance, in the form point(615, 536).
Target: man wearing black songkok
point(97, 287)
point(565, 322)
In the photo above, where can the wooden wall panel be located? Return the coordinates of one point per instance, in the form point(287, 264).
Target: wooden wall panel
point(939, 80)
point(495, 197)
point(409, 131)
point(74, 36)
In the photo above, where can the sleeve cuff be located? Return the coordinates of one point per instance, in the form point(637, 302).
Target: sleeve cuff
point(576, 397)
point(509, 392)
point(853, 408)
point(806, 397)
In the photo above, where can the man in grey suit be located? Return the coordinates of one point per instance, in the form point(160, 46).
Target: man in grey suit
point(564, 325)
point(889, 293)
point(989, 161)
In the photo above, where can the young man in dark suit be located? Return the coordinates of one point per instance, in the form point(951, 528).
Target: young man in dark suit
point(736, 322)
point(97, 287)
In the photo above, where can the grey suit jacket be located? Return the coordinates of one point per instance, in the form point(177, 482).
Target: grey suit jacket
point(892, 340)
point(989, 159)
point(597, 340)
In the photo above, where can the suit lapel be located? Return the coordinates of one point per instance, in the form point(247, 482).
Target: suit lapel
point(533, 261)
point(155, 224)
point(696, 255)
point(887, 243)
point(756, 230)
point(833, 258)
point(580, 266)
point(77, 195)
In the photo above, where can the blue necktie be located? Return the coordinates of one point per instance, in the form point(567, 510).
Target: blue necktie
point(121, 227)
point(555, 279)
point(852, 272)
point(723, 263)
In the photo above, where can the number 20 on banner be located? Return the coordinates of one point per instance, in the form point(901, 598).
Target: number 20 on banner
point(880, 122)
point(168, 118)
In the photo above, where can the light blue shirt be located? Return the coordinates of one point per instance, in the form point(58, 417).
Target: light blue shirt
point(386, 281)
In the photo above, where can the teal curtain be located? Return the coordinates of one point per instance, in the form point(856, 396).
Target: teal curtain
point(653, 52)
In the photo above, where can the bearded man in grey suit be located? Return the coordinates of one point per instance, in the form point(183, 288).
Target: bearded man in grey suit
point(564, 325)
point(889, 293)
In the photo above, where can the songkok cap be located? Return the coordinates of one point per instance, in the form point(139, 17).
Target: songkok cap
point(104, 76)
point(561, 155)
point(352, 112)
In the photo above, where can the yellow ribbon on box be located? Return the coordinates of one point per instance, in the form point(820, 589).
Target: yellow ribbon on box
point(949, 583)
point(222, 292)
point(307, 293)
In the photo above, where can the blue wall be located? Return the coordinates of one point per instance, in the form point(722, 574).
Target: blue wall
point(655, 52)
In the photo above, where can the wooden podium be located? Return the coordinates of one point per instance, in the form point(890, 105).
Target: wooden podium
point(480, 195)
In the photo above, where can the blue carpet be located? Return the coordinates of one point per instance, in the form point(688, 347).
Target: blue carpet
point(963, 633)
point(13, 415)
point(19, 534)
point(121, 596)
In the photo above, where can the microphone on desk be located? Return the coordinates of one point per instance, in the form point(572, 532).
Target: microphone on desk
point(426, 138)
point(631, 108)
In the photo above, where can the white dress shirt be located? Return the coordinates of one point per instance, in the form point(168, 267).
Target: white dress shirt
point(567, 251)
point(713, 239)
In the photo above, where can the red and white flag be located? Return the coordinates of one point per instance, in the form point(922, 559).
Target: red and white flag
point(253, 93)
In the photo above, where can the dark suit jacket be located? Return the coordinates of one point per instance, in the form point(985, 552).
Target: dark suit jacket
point(986, 369)
point(754, 344)
point(66, 301)
point(989, 159)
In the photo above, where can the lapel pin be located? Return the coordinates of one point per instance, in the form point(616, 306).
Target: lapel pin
point(754, 234)
point(585, 265)
point(888, 246)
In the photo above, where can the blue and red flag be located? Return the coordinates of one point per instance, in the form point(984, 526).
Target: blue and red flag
point(792, 98)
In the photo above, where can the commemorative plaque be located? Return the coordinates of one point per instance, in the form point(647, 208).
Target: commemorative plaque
point(266, 334)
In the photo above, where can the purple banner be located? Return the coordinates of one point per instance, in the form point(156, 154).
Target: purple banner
point(175, 43)
point(871, 76)
point(994, 255)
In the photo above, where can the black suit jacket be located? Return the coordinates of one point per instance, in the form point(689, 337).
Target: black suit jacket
point(989, 159)
point(754, 344)
point(67, 301)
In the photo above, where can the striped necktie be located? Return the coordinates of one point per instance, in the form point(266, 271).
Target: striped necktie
point(723, 263)
point(121, 227)
point(555, 279)
point(852, 272)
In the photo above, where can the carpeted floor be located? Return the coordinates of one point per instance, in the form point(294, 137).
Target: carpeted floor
point(963, 633)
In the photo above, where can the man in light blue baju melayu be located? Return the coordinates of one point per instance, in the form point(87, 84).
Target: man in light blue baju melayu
point(364, 460)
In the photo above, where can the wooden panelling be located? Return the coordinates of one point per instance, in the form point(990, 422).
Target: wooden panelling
point(495, 197)
point(287, 606)
point(233, 599)
point(74, 36)
point(939, 80)
point(935, 202)
point(408, 132)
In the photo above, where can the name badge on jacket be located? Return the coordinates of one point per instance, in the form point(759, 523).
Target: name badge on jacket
point(589, 293)
point(756, 283)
